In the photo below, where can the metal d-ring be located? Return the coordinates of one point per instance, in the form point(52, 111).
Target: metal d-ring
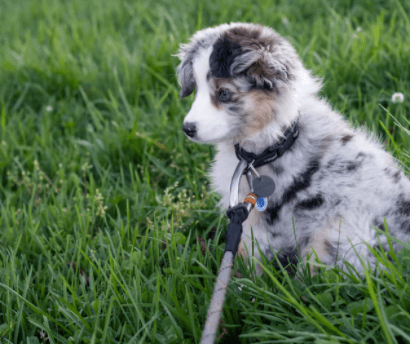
point(234, 185)
point(249, 176)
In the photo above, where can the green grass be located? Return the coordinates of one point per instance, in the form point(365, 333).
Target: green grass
point(90, 118)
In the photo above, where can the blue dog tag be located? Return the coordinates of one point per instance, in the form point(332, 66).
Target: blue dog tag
point(261, 204)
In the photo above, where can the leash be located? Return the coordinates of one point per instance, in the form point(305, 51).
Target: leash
point(261, 187)
point(237, 213)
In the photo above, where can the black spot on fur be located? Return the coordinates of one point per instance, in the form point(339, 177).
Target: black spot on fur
point(272, 213)
point(330, 249)
point(397, 176)
point(398, 217)
point(303, 242)
point(301, 182)
point(389, 257)
point(404, 207)
point(354, 165)
point(406, 225)
point(234, 108)
point(330, 163)
point(276, 169)
point(378, 224)
point(288, 259)
point(310, 204)
point(224, 53)
point(345, 139)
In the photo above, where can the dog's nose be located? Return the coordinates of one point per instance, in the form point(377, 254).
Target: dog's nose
point(189, 128)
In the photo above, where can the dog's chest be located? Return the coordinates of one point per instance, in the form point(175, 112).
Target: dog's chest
point(222, 172)
point(223, 169)
point(267, 225)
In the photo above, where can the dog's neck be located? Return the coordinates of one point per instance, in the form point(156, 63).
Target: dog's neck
point(271, 135)
point(271, 152)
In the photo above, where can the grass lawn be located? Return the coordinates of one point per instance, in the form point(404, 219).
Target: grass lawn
point(108, 230)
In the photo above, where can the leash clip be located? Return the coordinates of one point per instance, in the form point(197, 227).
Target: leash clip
point(234, 185)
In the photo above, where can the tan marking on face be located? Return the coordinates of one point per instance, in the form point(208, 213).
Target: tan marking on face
point(214, 84)
point(261, 112)
point(217, 84)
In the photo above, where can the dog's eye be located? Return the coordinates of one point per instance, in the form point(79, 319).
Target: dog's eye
point(224, 95)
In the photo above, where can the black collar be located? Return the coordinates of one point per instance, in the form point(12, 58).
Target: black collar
point(271, 153)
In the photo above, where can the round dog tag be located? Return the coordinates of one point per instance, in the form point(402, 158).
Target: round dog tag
point(261, 203)
point(264, 187)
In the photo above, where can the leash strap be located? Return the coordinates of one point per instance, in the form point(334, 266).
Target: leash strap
point(237, 215)
point(271, 153)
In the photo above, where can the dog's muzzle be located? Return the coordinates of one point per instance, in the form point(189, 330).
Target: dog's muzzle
point(190, 129)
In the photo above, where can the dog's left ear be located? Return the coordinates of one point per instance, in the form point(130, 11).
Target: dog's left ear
point(260, 68)
point(185, 71)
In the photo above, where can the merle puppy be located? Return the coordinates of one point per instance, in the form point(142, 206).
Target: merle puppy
point(334, 184)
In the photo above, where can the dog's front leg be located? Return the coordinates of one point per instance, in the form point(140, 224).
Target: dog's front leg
point(246, 249)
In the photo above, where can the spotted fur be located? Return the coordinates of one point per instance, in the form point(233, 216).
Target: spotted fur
point(334, 186)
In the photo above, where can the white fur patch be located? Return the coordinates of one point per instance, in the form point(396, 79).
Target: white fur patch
point(212, 124)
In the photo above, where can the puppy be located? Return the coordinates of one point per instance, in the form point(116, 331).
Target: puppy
point(334, 184)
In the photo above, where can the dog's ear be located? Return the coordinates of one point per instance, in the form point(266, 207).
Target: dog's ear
point(260, 67)
point(185, 71)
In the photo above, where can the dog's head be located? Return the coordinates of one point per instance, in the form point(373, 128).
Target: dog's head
point(247, 78)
